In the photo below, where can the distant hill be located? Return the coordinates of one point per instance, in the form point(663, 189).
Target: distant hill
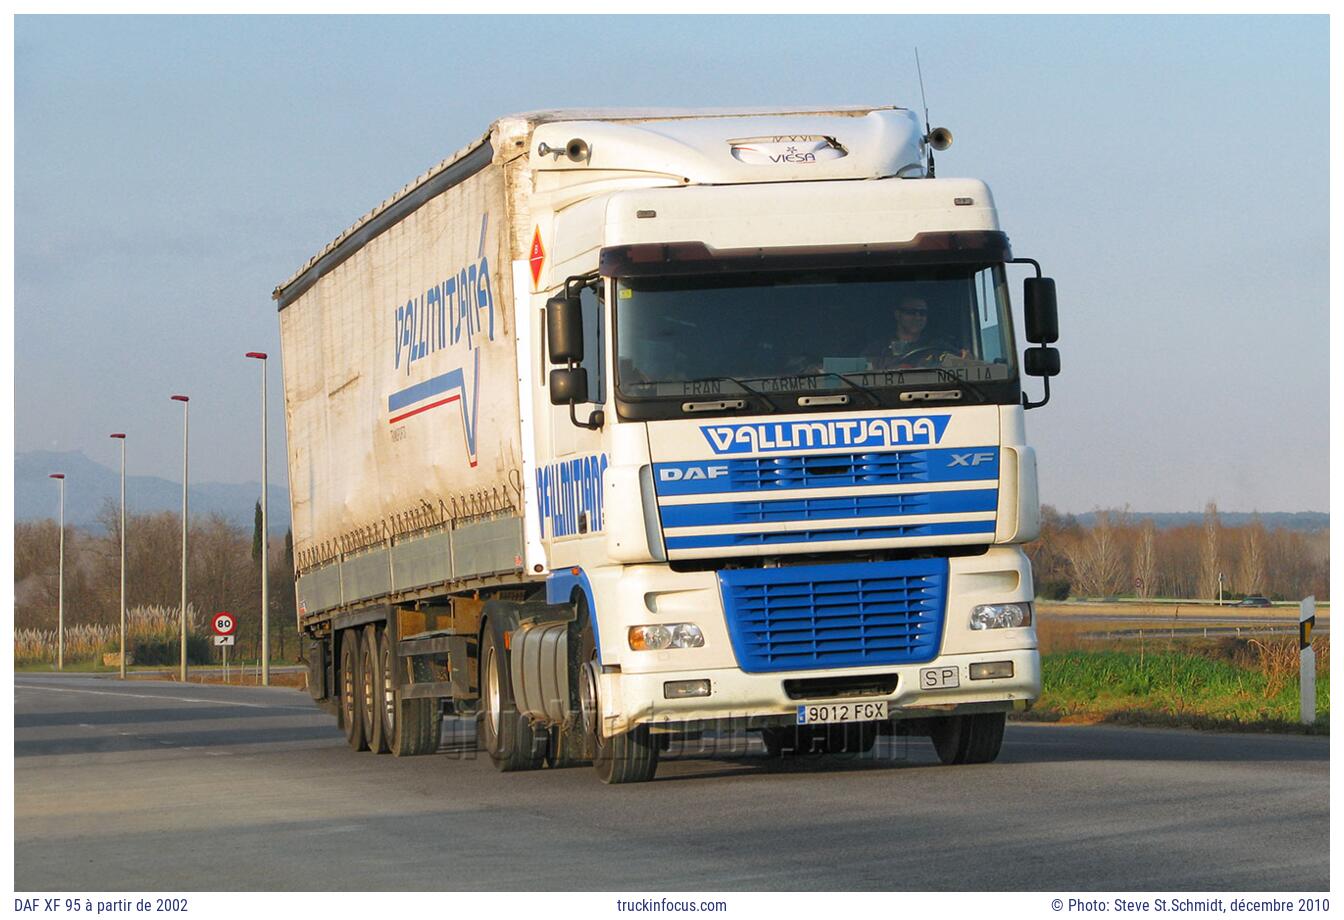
point(1305, 521)
point(88, 485)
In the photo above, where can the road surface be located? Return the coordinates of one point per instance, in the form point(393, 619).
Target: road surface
point(151, 786)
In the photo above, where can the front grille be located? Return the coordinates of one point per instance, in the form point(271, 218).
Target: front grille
point(797, 618)
point(811, 471)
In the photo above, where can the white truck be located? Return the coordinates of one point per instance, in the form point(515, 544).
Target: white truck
point(618, 426)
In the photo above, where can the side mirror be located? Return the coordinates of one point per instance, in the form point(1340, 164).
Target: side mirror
point(1037, 362)
point(1041, 313)
point(564, 330)
point(569, 386)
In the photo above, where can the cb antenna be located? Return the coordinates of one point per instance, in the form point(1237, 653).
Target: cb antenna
point(934, 138)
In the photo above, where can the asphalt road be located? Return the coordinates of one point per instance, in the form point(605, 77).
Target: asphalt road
point(160, 787)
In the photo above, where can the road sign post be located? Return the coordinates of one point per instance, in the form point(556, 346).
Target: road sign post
point(1307, 659)
point(224, 625)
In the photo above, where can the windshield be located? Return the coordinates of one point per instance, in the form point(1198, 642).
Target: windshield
point(783, 338)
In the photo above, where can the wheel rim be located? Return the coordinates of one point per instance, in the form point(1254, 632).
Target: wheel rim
point(492, 692)
point(389, 692)
point(348, 688)
point(588, 704)
point(370, 706)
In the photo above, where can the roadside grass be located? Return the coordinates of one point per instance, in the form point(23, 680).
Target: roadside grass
point(1239, 684)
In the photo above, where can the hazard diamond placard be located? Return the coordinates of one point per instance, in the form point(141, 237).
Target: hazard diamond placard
point(536, 257)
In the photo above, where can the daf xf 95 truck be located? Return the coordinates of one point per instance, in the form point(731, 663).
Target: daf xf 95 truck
point(618, 426)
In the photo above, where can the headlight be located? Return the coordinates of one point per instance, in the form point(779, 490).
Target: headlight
point(673, 635)
point(1001, 616)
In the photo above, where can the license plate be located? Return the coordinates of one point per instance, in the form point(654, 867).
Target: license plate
point(939, 678)
point(842, 712)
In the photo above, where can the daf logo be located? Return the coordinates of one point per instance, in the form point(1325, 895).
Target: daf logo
point(693, 472)
point(971, 459)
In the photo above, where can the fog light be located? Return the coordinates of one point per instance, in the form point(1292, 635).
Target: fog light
point(1001, 616)
point(658, 637)
point(682, 689)
point(987, 670)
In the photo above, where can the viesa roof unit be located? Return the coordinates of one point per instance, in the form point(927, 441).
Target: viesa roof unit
point(728, 149)
point(657, 148)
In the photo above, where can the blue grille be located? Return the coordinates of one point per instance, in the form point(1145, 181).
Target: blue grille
point(819, 509)
point(835, 616)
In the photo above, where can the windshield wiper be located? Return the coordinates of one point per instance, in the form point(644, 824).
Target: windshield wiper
point(715, 404)
point(866, 391)
point(945, 387)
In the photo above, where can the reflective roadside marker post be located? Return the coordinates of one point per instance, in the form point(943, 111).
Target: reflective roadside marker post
point(1306, 620)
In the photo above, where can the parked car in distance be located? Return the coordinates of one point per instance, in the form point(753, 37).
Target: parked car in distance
point(1253, 600)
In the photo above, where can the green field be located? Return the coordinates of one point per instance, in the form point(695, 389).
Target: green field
point(1227, 686)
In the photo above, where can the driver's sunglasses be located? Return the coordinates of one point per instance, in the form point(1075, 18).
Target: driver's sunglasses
point(914, 312)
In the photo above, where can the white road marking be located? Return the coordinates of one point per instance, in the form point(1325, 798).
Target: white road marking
point(146, 696)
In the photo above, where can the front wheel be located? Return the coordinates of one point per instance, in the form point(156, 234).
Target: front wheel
point(630, 757)
point(969, 739)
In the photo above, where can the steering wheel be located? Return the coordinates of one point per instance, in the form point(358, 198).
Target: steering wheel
point(922, 355)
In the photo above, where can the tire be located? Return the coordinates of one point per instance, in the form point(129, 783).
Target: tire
point(630, 757)
point(352, 719)
point(373, 680)
point(786, 742)
point(419, 723)
point(507, 736)
point(969, 739)
point(387, 695)
point(367, 642)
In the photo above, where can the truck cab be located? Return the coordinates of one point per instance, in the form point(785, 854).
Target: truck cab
point(781, 462)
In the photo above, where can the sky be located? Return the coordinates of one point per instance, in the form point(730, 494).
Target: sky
point(1171, 173)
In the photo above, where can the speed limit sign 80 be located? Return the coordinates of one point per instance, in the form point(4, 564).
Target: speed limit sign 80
point(224, 624)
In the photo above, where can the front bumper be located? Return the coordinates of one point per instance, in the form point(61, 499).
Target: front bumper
point(760, 699)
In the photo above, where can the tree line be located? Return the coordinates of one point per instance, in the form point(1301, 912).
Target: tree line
point(1116, 555)
point(223, 573)
point(1122, 555)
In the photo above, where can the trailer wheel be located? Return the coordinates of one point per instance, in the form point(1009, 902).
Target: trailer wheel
point(419, 723)
point(352, 720)
point(373, 682)
point(968, 739)
point(510, 739)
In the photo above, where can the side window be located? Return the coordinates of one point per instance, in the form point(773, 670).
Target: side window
point(594, 338)
point(987, 315)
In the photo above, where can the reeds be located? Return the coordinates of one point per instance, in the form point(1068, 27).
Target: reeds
point(145, 625)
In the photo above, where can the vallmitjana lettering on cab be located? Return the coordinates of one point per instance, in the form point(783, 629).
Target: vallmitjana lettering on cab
point(569, 495)
point(888, 431)
point(454, 313)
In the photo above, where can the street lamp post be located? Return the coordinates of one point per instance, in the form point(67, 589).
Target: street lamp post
point(122, 438)
point(265, 555)
point(60, 585)
point(182, 667)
